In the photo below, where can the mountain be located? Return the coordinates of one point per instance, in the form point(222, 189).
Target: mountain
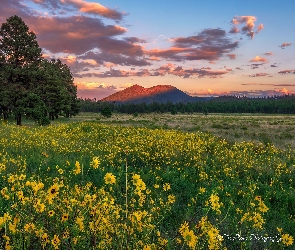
point(159, 93)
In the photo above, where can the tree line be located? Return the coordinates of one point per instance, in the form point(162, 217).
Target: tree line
point(284, 104)
point(31, 85)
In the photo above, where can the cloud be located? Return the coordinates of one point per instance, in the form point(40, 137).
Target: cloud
point(248, 25)
point(95, 8)
point(270, 84)
point(13, 7)
point(268, 53)
point(258, 74)
point(167, 69)
point(172, 69)
point(209, 44)
point(248, 93)
point(126, 85)
point(82, 6)
point(255, 65)
point(94, 85)
point(95, 90)
point(287, 71)
point(76, 65)
point(232, 56)
point(114, 57)
point(284, 45)
point(115, 73)
point(258, 59)
point(134, 40)
point(78, 34)
point(74, 34)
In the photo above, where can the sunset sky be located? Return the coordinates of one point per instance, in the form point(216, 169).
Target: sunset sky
point(201, 47)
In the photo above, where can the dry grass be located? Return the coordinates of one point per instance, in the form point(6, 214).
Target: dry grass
point(278, 130)
point(274, 129)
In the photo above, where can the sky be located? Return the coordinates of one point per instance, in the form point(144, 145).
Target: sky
point(204, 48)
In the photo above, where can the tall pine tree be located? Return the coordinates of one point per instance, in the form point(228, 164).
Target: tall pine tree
point(20, 55)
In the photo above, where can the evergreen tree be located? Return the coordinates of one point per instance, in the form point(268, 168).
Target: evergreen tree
point(26, 77)
point(20, 55)
point(106, 111)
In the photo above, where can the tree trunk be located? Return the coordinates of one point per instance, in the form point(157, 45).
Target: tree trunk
point(51, 116)
point(5, 113)
point(19, 119)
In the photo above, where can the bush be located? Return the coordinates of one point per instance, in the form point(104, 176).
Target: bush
point(106, 112)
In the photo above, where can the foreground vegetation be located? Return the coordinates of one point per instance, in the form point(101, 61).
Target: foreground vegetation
point(86, 185)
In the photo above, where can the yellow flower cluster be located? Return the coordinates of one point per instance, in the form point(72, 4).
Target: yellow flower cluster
point(91, 186)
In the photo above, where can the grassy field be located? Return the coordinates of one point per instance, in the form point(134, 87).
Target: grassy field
point(155, 181)
point(278, 130)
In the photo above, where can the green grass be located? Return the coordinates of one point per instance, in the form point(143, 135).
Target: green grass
point(216, 177)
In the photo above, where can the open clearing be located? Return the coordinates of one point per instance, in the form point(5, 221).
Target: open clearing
point(278, 130)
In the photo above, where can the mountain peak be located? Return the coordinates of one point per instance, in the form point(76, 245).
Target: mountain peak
point(158, 93)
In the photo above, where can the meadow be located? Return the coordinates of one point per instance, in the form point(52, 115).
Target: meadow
point(148, 182)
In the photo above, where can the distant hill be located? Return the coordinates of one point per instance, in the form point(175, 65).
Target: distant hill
point(159, 93)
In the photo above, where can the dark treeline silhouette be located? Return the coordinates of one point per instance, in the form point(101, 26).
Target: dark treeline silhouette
point(31, 85)
point(284, 104)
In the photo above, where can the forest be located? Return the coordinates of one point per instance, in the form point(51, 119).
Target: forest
point(284, 104)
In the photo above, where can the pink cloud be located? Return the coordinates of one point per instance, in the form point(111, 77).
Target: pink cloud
point(209, 44)
point(268, 53)
point(284, 45)
point(259, 74)
point(287, 71)
point(258, 59)
point(232, 56)
point(95, 8)
point(248, 25)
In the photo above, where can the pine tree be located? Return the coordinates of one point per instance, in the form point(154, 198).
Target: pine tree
point(20, 55)
point(26, 78)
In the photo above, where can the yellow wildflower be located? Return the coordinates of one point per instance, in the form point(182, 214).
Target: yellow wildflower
point(171, 199)
point(51, 213)
point(55, 242)
point(40, 207)
point(287, 239)
point(53, 191)
point(29, 227)
point(110, 178)
point(77, 169)
point(79, 221)
point(65, 217)
point(190, 238)
point(166, 186)
point(95, 162)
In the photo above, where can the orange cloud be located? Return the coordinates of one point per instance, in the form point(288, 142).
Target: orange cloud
point(258, 59)
point(287, 71)
point(126, 85)
point(232, 56)
point(248, 23)
point(92, 85)
point(109, 65)
point(95, 8)
point(284, 90)
point(154, 58)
